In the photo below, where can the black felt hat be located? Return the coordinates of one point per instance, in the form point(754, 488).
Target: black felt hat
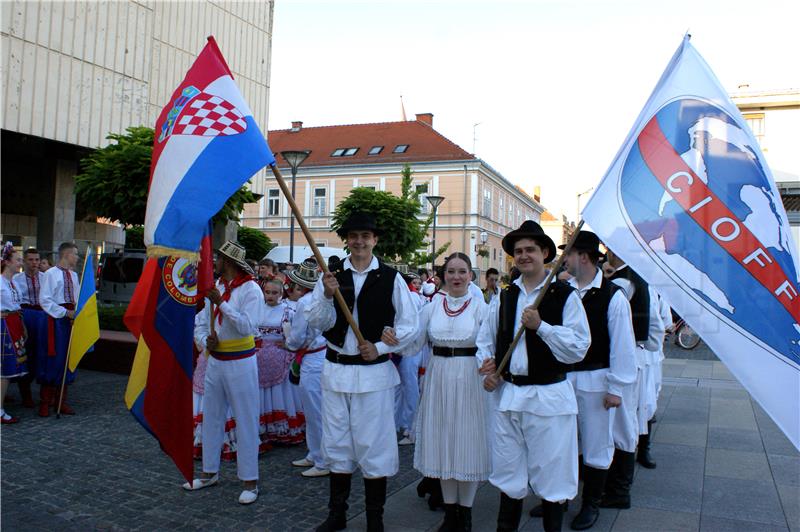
point(358, 221)
point(534, 231)
point(588, 242)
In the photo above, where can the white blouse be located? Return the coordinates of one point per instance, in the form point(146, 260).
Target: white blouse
point(437, 327)
point(9, 296)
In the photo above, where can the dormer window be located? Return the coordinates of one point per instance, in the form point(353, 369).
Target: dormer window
point(375, 150)
point(344, 152)
point(400, 148)
point(337, 152)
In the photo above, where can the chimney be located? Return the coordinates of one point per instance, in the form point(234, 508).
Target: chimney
point(297, 125)
point(537, 193)
point(425, 118)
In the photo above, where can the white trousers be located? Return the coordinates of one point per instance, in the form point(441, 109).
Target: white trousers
point(407, 394)
point(358, 430)
point(536, 451)
point(311, 396)
point(231, 383)
point(625, 424)
point(595, 429)
point(648, 397)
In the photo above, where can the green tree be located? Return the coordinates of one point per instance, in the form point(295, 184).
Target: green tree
point(114, 180)
point(404, 233)
point(254, 241)
point(134, 237)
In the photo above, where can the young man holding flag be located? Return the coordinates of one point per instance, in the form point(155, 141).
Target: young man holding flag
point(59, 294)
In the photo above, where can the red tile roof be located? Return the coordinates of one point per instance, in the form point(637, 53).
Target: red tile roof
point(424, 143)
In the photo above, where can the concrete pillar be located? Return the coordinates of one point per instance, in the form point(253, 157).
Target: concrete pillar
point(56, 220)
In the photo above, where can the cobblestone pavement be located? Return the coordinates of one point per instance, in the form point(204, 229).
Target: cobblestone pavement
point(722, 465)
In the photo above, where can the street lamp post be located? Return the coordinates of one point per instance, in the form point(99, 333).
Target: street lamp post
point(434, 201)
point(295, 159)
point(578, 201)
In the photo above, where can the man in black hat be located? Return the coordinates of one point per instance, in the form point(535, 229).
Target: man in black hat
point(358, 380)
point(534, 429)
point(600, 378)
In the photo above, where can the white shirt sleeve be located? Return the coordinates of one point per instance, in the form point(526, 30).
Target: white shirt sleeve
point(487, 335)
point(320, 312)
point(622, 358)
point(47, 298)
point(665, 312)
point(299, 334)
point(570, 340)
point(244, 318)
point(405, 318)
point(201, 326)
point(421, 338)
point(655, 330)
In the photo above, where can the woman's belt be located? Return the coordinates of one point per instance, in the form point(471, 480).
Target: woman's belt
point(352, 360)
point(528, 380)
point(441, 351)
point(7, 313)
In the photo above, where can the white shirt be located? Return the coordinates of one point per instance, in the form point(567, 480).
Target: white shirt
point(437, 327)
point(23, 283)
point(52, 295)
point(622, 346)
point(240, 314)
point(474, 290)
point(568, 342)
point(321, 314)
point(655, 330)
point(301, 334)
point(9, 296)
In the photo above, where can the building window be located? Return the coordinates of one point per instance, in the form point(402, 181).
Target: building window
point(495, 253)
point(487, 203)
point(320, 201)
point(273, 202)
point(375, 150)
point(371, 187)
point(510, 215)
point(422, 194)
point(501, 212)
point(337, 152)
point(756, 123)
point(400, 148)
point(344, 152)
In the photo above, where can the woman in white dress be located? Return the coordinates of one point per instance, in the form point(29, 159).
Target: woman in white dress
point(451, 427)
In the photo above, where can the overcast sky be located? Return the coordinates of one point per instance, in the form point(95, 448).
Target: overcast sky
point(555, 85)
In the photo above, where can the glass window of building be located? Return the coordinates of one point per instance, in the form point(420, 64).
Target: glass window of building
point(273, 202)
point(320, 201)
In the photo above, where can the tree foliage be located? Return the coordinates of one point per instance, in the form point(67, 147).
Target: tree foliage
point(134, 237)
point(254, 241)
point(114, 180)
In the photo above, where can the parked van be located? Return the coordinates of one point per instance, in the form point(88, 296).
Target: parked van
point(117, 275)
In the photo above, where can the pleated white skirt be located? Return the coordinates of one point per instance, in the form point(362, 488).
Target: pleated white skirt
point(451, 424)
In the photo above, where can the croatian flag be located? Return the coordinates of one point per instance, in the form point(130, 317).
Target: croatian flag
point(690, 204)
point(206, 146)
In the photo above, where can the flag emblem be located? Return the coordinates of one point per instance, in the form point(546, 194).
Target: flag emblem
point(180, 280)
point(700, 202)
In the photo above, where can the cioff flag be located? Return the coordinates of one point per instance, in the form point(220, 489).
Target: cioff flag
point(86, 325)
point(690, 204)
point(207, 145)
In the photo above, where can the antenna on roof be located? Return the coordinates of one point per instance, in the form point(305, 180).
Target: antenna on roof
point(402, 109)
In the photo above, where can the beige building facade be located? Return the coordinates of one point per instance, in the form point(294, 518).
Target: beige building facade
point(73, 72)
point(477, 198)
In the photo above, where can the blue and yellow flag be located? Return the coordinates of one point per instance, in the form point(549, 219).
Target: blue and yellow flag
point(86, 326)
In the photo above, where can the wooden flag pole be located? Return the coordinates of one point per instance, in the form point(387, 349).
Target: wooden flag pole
point(535, 305)
point(320, 259)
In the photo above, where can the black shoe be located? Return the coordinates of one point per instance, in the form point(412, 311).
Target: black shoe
point(424, 487)
point(593, 483)
point(509, 514)
point(436, 500)
point(450, 523)
point(619, 481)
point(536, 511)
point(375, 498)
point(552, 516)
point(643, 452)
point(337, 504)
point(464, 519)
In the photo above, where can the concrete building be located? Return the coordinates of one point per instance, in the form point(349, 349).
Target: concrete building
point(774, 118)
point(477, 198)
point(73, 72)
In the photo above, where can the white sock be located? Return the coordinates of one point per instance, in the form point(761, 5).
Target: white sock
point(449, 490)
point(466, 492)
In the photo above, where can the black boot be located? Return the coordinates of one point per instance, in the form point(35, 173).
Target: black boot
point(593, 482)
point(450, 523)
point(424, 487)
point(436, 500)
point(509, 514)
point(552, 515)
point(643, 452)
point(464, 519)
point(619, 481)
point(375, 498)
point(337, 504)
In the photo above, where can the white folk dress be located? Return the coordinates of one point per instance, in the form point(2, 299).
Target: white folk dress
point(451, 424)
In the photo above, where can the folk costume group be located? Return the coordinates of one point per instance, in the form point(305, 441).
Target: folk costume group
point(37, 312)
point(579, 388)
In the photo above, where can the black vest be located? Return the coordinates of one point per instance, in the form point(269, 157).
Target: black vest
point(375, 309)
point(542, 364)
point(595, 303)
point(640, 303)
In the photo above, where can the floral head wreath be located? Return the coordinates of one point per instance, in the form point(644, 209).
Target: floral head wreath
point(8, 250)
